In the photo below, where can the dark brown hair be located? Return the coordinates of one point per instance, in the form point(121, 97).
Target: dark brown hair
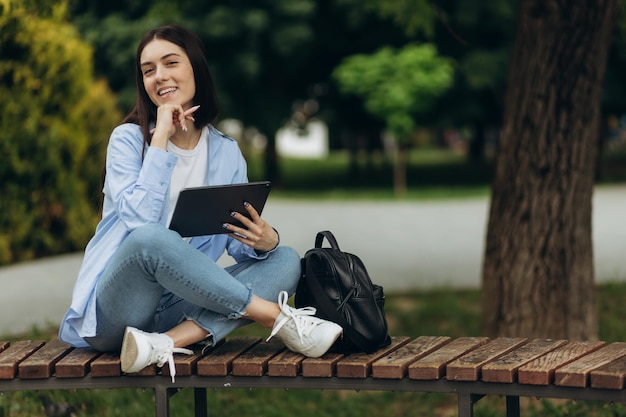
point(145, 110)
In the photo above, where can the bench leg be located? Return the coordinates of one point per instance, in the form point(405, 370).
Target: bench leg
point(512, 406)
point(466, 403)
point(199, 399)
point(161, 401)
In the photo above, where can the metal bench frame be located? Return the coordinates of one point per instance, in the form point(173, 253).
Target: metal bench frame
point(468, 393)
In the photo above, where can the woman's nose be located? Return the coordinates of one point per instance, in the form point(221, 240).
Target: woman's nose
point(161, 73)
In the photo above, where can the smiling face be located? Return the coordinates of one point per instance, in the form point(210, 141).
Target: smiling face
point(167, 74)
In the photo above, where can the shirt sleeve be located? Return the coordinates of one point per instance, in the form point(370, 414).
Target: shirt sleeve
point(137, 185)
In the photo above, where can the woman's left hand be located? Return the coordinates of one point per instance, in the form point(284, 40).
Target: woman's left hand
point(259, 235)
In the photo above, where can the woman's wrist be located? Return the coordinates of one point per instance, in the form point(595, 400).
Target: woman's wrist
point(260, 252)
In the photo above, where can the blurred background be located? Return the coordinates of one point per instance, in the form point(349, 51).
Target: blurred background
point(331, 100)
point(376, 119)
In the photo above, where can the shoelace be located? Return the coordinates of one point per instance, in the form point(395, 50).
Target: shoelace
point(167, 355)
point(302, 317)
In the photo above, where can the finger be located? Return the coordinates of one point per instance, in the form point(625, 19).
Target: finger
point(247, 236)
point(253, 213)
point(242, 239)
point(179, 117)
point(244, 220)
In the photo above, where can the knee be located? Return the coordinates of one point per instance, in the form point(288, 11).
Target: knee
point(289, 259)
point(287, 254)
point(148, 236)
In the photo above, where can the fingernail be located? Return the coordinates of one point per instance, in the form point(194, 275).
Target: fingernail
point(246, 204)
point(225, 225)
point(233, 214)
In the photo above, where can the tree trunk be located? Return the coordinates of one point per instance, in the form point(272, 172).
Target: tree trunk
point(538, 274)
point(399, 170)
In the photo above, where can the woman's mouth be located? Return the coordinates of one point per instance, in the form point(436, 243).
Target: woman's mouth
point(165, 91)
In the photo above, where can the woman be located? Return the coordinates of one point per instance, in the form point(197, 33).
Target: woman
point(143, 289)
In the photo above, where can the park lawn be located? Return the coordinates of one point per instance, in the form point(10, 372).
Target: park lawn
point(442, 311)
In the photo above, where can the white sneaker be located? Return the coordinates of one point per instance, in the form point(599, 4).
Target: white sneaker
point(301, 331)
point(141, 349)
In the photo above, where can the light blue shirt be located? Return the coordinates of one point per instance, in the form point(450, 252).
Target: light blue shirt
point(136, 192)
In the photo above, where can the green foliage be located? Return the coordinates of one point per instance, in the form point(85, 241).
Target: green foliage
point(412, 15)
point(397, 84)
point(54, 127)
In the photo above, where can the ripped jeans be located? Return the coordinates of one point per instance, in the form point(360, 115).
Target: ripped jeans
point(156, 280)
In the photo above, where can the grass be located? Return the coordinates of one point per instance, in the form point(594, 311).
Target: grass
point(441, 311)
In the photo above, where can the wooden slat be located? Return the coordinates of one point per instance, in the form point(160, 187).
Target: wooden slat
point(4, 344)
point(185, 364)
point(504, 369)
point(109, 364)
point(576, 374)
point(286, 363)
point(16, 353)
point(395, 365)
point(541, 370)
point(41, 363)
point(469, 366)
point(322, 367)
point(433, 366)
point(76, 363)
point(106, 364)
point(220, 361)
point(253, 362)
point(359, 365)
point(610, 376)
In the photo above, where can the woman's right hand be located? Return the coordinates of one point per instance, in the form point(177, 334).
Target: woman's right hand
point(169, 118)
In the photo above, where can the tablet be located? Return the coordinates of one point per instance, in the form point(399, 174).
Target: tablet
point(201, 211)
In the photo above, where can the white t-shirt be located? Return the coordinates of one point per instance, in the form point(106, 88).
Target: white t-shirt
point(190, 170)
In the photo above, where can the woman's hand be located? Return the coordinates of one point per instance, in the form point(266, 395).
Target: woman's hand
point(169, 118)
point(259, 235)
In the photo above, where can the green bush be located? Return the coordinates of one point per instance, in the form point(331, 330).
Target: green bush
point(55, 121)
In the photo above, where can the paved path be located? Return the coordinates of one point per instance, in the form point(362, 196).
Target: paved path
point(404, 245)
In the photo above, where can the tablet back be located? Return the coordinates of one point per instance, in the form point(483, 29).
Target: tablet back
point(201, 211)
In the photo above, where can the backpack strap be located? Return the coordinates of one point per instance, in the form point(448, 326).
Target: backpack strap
point(319, 239)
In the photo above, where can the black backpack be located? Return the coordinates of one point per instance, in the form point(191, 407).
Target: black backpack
point(338, 286)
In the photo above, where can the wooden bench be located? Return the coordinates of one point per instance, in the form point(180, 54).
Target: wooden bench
point(470, 367)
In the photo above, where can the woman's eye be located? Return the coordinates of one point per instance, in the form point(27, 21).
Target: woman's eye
point(172, 63)
point(147, 71)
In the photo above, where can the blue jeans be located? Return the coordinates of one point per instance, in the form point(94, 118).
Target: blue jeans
point(156, 280)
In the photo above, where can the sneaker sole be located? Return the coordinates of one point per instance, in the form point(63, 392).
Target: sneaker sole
point(128, 355)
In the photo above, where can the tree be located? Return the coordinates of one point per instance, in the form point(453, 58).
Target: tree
point(538, 276)
point(54, 127)
point(395, 86)
point(478, 35)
